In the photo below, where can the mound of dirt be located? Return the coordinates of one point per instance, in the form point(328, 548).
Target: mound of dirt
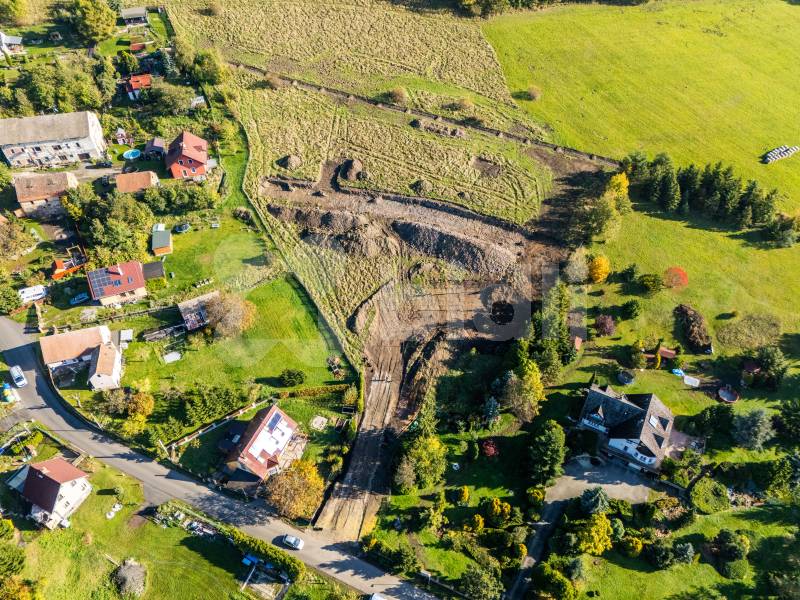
point(439, 128)
point(353, 170)
point(486, 167)
point(482, 259)
point(423, 187)
point(334, 222)
point(291, 162)
point(367, 240)
point(130, 578)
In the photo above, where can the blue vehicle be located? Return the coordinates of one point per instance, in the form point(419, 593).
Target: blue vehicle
point(79, 299)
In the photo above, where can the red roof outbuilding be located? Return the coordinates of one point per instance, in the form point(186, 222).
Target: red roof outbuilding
point(187, 156)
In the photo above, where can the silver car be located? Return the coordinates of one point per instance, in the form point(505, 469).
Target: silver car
point(293, 542)
point(18, 376)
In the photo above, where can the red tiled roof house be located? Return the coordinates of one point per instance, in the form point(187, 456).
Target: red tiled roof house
point(133, 183)
point(266, 437)
point(117, 284)
point(55, 489)
point(187, 157)
point(137, 83)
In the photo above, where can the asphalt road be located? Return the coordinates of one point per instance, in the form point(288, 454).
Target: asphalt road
point(39, 402)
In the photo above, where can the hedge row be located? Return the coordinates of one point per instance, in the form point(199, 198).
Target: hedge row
point(293, 567)
point(312, 392)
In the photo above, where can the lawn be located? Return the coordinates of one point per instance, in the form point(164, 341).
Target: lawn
point(730, 277)
point(204, 458)
point(622, 578)
point(705, 80)
point(75, 563)
point(287, 334)
point(231, 256)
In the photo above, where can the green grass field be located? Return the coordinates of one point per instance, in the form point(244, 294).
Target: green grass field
point(73, 564)
point(622, 578)
point(705, 80)
point(286, 334)
point(728, 275)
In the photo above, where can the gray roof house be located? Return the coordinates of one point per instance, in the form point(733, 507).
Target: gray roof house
point(10, 44)
point(133, 15)
point(636, 426)
point(50, 140)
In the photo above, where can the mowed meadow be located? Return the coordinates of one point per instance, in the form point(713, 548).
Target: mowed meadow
point(705, 80)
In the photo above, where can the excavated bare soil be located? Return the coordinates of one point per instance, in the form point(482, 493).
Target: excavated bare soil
point(412, 331)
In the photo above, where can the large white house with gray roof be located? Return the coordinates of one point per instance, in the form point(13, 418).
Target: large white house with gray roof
point(52, 140)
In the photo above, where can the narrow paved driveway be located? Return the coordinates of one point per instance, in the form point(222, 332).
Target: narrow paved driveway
point(579, 475)
point(161, 483)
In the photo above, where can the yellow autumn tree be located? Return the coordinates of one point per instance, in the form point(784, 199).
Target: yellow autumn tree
point(618, 190)
point(595, 536)
point(599, 269)
point(297, 491)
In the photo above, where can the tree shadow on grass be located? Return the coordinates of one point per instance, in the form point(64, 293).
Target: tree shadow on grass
point(216, 551)
point(629, 564)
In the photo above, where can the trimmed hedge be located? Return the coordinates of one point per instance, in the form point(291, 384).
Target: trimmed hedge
point(293, 567)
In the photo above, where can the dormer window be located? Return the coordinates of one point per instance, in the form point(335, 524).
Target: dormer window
point(180, 161)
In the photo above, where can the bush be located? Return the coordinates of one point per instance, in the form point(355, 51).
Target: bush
point(399, 96)
point(599, 269)
point(731, 545)
point(709, 496)
point(676, 278)
point(735, 569)
point(631, 309)
point(6, 529)
point(552, 582)
point(534, 93)
point(660, 555)
point(684, 553)
point(594, 500)
point(605, 326)
point(293, 567)
point(651, 283)
point(694, 327)
point(12, 560)
point(632, 546)
point(752, 430)
point(292, 377)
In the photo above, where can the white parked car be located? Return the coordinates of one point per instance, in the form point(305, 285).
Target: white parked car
point(18, 376)
point(293, 542)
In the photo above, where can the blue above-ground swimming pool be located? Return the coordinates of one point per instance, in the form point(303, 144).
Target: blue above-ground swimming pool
point(131, 154)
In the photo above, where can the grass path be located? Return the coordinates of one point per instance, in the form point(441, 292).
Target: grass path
point(705, 80)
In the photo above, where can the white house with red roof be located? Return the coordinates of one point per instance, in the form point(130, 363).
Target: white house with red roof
point(117, 284)
point(55, 489)
point(263, 443)
point(187, 157)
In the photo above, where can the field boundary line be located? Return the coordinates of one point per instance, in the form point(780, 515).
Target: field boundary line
point(347, 96)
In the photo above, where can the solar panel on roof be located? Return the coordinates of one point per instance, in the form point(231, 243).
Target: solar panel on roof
point(273, 422)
